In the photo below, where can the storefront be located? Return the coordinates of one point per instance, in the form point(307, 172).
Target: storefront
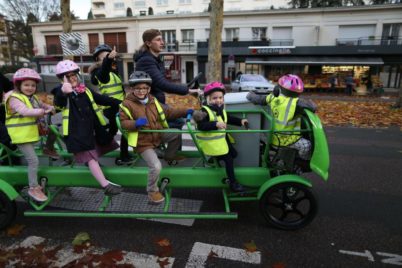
point(318, 66)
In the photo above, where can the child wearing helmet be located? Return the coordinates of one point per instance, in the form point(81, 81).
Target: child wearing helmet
point(213, 116)
point(83, 123)
point(105, 75)
point(287, 108)
point(23, 110)
point(141, 110)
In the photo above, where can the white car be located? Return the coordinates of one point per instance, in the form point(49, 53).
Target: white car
point(252, 82)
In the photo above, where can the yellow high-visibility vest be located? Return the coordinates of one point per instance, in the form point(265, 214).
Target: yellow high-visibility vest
point(66, 112)
point(213, 144)
point(22, 129)
point(132, 136)
point(283, 108)
point(114, 88)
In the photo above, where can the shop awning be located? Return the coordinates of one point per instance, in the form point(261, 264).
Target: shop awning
point(316, 60)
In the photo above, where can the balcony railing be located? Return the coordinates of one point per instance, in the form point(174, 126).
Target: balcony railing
point(369, 41)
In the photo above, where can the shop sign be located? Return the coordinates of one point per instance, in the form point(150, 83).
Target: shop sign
point(271, 50)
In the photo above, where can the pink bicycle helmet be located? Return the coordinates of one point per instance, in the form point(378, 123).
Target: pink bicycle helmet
point(25, 74)
point(292, 83)
point(66, 66)
point(212, 87)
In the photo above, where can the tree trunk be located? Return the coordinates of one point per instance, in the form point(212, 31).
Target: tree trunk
point(66, 15)
point(215, 42)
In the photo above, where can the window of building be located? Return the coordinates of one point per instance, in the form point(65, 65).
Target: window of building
point(187, 36)
point(184, 1)
point(232, 34)
point(116, 39)
point(169, 36)
point(259, 33)
point(253, 69)
point(356, 31)
point(118, 5)
point(207, 31)
point(100, 6)
point(139, 3)
point(93, 39)
point(282, 32)
point(162, 2)
point(53, 45)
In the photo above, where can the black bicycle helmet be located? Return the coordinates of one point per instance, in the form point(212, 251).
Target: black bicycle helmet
point(101, 48)
point(139, 77)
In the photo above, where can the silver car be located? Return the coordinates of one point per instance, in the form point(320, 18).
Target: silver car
point(252, 82)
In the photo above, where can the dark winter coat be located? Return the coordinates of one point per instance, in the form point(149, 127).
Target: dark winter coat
point(100, 71)
point(147, 62)
point(150, 112)
point(84, 126)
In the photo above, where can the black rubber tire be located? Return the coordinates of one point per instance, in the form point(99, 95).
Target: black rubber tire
point(239, 89)
point(8, 210)
point(288, 206)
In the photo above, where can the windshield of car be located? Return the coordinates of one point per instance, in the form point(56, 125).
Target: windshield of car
point(252, 78)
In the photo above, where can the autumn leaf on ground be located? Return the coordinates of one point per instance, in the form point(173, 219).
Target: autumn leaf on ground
point(279, 265)
point(116, 255)
point(212, 255)
point(81, 238)
point(163, 263)
point(164, 248)
point(250, 246)
point(5, 256)
point(15, 230)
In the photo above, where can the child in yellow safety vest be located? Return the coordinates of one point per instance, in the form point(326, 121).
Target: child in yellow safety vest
point(83, 122)
point(213, 116)
point(23, 112)
point(104, 74)
point(287, 108)
point(141, 110)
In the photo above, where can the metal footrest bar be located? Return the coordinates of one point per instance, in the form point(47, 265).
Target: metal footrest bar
point(93, 214)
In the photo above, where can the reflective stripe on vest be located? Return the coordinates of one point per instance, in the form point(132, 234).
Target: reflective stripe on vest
point(66, 112)
point(213, 144)
point(114, 88)
point(283, 108)
point(132, 136)
point(22, 129)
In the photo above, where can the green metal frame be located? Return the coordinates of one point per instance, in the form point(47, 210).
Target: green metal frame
point(200, 175)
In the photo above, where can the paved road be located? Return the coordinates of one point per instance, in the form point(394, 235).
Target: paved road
point(359, 223)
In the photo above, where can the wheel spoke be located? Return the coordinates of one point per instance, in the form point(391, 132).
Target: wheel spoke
point(298, 212)
point(300, 199)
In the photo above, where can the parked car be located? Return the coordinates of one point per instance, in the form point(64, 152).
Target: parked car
point(252, 82)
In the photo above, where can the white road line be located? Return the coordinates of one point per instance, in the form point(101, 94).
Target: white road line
point(366, 254)
point(200, 252)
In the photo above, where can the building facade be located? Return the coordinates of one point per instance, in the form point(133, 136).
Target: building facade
point(365, 40)
point(118, 8)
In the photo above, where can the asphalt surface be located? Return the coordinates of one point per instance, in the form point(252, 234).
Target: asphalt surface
point(359, 223)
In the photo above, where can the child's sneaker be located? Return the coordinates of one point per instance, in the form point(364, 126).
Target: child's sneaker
point(124, 160)
point(37, 194)
point(113, 189)
point(155, 197)
point(51, 153)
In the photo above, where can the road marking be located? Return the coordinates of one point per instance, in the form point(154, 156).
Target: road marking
point(360, 254)
point(394, 259)
point(201, 251)
point(67, 254)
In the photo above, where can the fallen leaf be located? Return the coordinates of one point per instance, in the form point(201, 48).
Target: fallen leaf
point(81, 238)
point(163, 242)
point(163, 263)
point(212, 255)
point(279, 265)
point(15, 230)
point(250, 246)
